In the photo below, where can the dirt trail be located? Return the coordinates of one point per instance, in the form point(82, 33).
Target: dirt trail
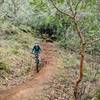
point(32, 90)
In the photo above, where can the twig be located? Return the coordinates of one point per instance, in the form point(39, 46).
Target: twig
point(95, 40)
point(77, 7)
point(95, 35)
point(71, 9)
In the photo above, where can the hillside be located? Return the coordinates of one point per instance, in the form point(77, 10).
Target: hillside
point(54, 81)
point(66, 39)
point(16, 60)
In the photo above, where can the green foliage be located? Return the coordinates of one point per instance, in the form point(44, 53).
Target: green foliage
point(39, 5)
point(88, 12)
point(14, 51)
point(16, 11)
point(94, 49)
point(60, 1)
point(3, 66)
point(97, 95)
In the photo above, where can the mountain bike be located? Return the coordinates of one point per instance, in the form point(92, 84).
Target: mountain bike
point(37, 61)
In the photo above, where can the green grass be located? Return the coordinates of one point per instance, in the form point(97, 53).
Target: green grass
point(14, 51)
point(97, 95)
point(4, 66)
point(70, 60)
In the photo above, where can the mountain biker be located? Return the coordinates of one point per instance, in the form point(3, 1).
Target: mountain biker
point(36, 49)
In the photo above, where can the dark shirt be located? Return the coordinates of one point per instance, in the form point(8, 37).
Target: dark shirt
point(36, 49)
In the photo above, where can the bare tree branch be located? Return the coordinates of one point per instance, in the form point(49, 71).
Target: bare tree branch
point(79, 32)
point(93, 37)
point(93, 41)
point(61, 11)
point(77, 7)
point(71, 9)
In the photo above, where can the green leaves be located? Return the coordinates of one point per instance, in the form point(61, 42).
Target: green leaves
point(87, 15)
point(39, 5)
point(59, 1)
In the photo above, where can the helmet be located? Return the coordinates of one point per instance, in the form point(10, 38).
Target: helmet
point(36, 42)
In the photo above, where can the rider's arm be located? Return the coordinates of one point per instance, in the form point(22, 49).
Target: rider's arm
point(40, 49)
point(33, 49)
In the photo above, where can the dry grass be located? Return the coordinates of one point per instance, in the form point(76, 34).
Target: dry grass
point(62, 86)
point(16, 59)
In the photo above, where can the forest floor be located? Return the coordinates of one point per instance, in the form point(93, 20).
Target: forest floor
point(33, 88)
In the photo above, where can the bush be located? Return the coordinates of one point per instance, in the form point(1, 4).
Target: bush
point(53, 26)
point(14, 51)
point(3, 66)
point(97, 95)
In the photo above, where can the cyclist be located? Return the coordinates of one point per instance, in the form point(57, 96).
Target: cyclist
point(36, 49)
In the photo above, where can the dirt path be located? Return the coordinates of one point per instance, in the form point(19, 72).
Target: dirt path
point(32, 90)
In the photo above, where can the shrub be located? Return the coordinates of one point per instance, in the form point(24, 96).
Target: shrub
point(97, 95)
point(14, 51)
point(3, 66)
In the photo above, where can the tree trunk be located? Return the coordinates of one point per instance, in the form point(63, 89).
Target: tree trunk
point(82, 54)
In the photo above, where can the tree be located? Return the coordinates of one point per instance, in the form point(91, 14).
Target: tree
point(73, 15)
point(16, 11)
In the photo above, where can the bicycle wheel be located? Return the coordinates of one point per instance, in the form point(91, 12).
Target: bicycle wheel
point(37, 64)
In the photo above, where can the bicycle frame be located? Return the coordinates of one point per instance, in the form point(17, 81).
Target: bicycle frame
point(37, 62)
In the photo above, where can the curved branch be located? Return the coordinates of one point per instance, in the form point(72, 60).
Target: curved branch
point(93, 41)
point(61, 11)
point(71, 7)
point(79, 32)
point(77, 7)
